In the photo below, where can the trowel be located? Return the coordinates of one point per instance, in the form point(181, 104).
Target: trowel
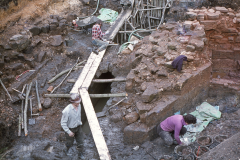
point(32, 120)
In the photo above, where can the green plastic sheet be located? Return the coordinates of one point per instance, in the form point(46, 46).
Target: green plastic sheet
point(204, 113)
point(107, 15)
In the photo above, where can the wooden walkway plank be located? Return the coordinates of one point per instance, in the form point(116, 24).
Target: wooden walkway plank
point(94, 126)
point(84, 73)
point(88, 80)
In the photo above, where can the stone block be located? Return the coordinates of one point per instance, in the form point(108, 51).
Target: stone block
point(222, 41)
point(153, 40)
point(230, 30)
point(53, 22)
point(212, 16)
point(209, 24)
point(131, 117)
point(237, 39)
point(172, 45)
point(143, 107)
point(198, 44)
point(217, 36)
point(190, 48)
point(35, 30)
point(52, 27)
point(56, 40)
point(45, 28)
point(223, 64)
point(168, 64)
point(224, 54)
point(191, 16)
point(150, 93)
point(231, 15)
point(187, 25)
point(136, 133)
point(200, 17)
point(41, 56)
point(47, 103)
point(221, 9)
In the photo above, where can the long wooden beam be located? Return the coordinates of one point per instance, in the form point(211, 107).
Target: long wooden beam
point(115, 27)
point(101, 80)
point(94, 126)
point(91, 95)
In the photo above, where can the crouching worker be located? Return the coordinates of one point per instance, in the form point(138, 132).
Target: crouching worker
point(71, 124)
point(174, 125)
point(97, 37)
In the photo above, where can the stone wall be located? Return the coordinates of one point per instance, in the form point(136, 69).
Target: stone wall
point(222, 28)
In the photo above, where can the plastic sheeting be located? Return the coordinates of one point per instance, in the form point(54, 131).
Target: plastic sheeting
point(108, 15)
point(204, 113)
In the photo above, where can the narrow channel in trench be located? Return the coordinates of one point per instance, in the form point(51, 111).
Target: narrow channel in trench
point(98, 103)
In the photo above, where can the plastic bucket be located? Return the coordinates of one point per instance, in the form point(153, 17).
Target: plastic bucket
point(220, 138)
point(205, 141)
point(183, 151)
point(199, 151)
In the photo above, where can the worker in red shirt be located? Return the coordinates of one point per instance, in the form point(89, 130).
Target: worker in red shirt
point(97, 37)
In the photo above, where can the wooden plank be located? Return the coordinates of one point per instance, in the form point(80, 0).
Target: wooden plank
point(115, 27)
point(84, 73)
point(101, 80)
point(94, 126)
point(91, 95)
point(93, 69)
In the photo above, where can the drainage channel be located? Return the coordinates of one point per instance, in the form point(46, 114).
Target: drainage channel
point(98, 103)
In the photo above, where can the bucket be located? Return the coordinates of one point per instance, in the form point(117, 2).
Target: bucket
point(199, 151)
point(205, 141)
point(183, 151)
point(220, 138)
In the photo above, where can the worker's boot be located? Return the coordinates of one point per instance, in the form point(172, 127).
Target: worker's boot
point(80, 154)
point(66, 150)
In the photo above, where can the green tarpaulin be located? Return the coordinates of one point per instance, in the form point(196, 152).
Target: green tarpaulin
point(107, 15)
point(204, 113)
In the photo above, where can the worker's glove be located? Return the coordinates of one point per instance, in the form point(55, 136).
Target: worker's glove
point(106, 32)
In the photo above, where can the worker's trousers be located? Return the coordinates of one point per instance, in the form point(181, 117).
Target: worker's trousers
point(101, 44)
point(78, 135)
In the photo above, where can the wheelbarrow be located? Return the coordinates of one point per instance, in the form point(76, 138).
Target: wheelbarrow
point(86, 24)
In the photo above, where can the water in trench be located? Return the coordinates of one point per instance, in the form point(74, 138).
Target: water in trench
point(98, 103)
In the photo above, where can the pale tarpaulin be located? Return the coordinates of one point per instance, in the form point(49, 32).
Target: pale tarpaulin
point(108, 15)
point(204, 113)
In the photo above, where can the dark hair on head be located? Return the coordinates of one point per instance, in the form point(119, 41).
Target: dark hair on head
point(99, 22)
point(190, 119)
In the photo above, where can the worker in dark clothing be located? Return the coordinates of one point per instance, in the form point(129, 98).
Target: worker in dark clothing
point(178, 62)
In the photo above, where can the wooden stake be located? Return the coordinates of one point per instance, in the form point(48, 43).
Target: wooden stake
point(6, 90)
point(19, 125)
point(38, 99)
point(25, 110)
point(65, 71)
point(65, 76)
